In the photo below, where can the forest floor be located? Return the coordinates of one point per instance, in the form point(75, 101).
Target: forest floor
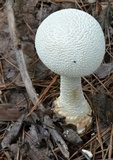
point(29, 129)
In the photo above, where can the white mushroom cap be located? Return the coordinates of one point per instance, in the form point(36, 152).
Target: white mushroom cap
point(71, 43)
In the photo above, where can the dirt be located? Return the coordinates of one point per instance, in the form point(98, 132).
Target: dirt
point(31, 137)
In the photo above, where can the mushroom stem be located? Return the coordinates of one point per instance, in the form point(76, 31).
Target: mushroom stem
point(72, 103)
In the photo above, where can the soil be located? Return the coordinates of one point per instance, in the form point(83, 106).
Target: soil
point(42, 135)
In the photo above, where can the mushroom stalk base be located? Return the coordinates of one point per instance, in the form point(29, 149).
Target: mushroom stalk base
point(72, 104)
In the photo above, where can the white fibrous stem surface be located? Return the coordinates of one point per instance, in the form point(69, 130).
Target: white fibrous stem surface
point(72, 103)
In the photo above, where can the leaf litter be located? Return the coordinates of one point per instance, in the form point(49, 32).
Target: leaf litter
point(29, 129)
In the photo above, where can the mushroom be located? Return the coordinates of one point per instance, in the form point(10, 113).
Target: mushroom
point(71, 43)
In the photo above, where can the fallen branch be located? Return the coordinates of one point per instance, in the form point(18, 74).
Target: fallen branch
point(19, 52)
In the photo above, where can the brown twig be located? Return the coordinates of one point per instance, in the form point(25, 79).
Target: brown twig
point(19, 52)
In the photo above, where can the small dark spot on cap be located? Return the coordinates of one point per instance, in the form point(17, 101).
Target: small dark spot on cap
point(74, 61)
